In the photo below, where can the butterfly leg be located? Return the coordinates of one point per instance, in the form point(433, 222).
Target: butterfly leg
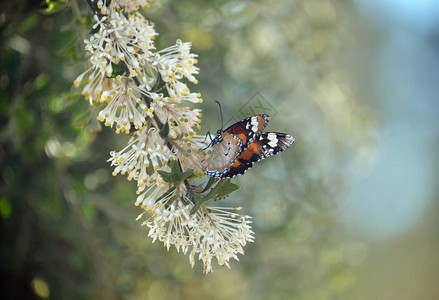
point(205, 138)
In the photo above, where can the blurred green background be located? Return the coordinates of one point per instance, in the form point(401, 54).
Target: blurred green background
point(349, 212)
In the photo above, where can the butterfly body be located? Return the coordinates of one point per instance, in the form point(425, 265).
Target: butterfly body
point(237, 148)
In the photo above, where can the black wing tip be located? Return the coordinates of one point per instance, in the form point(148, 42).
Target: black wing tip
point(266, 117)
point(289, 139)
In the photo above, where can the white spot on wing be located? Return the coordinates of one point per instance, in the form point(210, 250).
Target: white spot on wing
point(254, 121)
point(272, 137)
point(272, 144)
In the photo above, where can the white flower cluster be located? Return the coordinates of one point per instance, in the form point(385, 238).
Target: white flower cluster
point(139, 90)
point(210, 232)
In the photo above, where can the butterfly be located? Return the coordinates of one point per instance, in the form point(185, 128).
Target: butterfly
point(237, 148)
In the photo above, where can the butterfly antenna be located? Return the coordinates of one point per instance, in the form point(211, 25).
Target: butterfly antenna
point(221, 112)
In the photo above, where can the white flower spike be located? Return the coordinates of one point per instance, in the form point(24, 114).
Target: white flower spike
point(141, 91)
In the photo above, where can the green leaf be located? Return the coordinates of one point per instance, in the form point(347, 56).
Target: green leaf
point(164, 131)
point(209, 184)
point(165, 175)
point(150, 170)
point(159, 83)
point(198, 201)
point(172, 189)
point(223, 188)
point(175, 172)
point(187, 174)
point(227, 188)
point(54, 6)
point(214, 191)
point(176, 176)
